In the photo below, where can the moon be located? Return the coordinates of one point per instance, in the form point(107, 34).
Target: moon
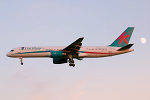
point(143, 40)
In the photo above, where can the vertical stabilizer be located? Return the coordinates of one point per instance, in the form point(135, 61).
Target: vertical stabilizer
point(124, 38)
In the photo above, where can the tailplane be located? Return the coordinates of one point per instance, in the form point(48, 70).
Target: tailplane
point(125, 47)
point(124, 38)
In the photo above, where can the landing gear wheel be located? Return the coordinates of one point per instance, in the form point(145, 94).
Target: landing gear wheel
point(72, 65)
point(21, 61)
point(71, 61)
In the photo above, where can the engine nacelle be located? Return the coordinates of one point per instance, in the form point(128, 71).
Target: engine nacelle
point(57, 54)
point(59, 60)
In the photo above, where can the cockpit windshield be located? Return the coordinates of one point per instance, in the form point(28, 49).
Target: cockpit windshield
point(11, 50)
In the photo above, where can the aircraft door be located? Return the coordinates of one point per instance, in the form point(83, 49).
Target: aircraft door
point(87, 50)
point(19, 51)
point(110, 51)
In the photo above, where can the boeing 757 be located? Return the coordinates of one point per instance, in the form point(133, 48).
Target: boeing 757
point(75, 50)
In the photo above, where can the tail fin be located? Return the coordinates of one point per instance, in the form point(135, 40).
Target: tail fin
point(124, 38)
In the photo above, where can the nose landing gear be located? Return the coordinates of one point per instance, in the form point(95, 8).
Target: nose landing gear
point(21, 61)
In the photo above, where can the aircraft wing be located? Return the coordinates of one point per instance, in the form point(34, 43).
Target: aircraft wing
point(74, 47)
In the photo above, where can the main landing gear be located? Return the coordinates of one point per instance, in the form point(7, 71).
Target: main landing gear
point(21, 61)
point(71, 61)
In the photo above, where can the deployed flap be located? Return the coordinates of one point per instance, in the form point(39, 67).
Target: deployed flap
point(125, 47)
point(75, 46)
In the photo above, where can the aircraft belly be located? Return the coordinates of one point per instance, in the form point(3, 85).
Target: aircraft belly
point(102, 55)
point(98, 55)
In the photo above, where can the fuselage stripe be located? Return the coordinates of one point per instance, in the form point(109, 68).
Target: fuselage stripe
point(31, 52)
point(50, 51)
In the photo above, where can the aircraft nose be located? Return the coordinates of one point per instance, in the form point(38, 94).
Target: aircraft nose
point(8, 54)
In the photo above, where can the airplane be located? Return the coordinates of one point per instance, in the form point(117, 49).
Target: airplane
point(75, 50)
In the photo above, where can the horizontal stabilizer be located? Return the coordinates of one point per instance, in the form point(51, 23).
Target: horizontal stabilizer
point(125, 47)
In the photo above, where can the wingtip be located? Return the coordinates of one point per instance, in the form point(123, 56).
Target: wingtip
point(81, 38)
point(131, 27)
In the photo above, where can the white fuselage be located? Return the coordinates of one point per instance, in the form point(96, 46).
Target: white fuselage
point(75, 50)
point(84, 52)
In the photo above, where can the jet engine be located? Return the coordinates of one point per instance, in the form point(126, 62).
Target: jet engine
point(59, 60)
point(57, 54)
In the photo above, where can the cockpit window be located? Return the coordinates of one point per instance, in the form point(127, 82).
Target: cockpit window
point(11, 50)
